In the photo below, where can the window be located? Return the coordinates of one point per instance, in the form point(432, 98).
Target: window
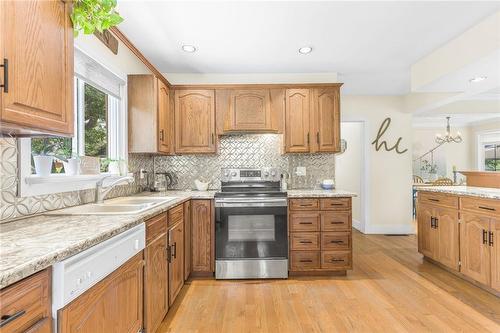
point(492, 157)
point(93, 136)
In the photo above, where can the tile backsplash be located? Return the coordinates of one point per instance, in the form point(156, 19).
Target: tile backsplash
point(250, 151)
point(235, 151)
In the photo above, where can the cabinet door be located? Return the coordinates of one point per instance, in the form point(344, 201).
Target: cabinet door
point(114, 305)
point(202, 235)
point(37, 41)
point(427, 237)
point(164, 118)
point(297, 108)
point(176, 265)
point(447, 235)
point(474, 248)
point(326, 108)
point(195, 121)
point(250, 110)
point(187, 239)
point(155, 283)
point(494, 239)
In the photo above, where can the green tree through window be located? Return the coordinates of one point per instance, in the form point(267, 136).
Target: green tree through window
point(96, 127)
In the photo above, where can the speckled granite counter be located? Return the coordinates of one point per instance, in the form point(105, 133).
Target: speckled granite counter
point(32, 244)
point(319, 193)
point(470, 191)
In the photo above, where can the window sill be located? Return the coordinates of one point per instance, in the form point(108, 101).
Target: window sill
point(56, 183)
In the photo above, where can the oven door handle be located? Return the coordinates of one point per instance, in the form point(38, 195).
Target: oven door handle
point(251, 204)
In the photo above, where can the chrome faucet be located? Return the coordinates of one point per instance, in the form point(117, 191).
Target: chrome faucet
point(101, 192)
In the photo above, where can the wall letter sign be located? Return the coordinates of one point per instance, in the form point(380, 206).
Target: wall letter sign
point(379, 143)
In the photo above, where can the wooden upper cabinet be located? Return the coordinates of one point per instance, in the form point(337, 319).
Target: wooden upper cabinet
point(165, 126)
point(326, 115)
point(150, 120)
point(202, 236)
point(250, 110)
point(297, 126)
point(36, 40)
point(195, 121)
point(474, 248)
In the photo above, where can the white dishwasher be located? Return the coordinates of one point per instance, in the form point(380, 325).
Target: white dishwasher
point(77, 274)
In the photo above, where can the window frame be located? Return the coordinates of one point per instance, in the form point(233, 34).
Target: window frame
point(31, 184)
point(484, 138)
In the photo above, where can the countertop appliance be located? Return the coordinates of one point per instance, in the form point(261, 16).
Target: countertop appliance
point(77, 274)
point(251, 238)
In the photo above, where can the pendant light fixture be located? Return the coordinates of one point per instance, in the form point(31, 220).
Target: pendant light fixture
point(448, 138)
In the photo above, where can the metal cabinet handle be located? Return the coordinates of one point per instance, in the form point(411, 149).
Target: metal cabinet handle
point(485, 237)
point(213, 138)
point(336, 260)
point(486, 208)
point(317, 137)
point(306, 205)
point(436, 222)
point(432, 199)
point(490, 238)
point(305, 242)
point(161, 135)
point(335, 222)
point(10, 318)
point(306, 260)
point(336, 241)
point(174, 251)
point(305, 222)
point(5, 84)
point(432, 222)
point(169, 253)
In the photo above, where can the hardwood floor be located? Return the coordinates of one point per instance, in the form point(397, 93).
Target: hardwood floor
point(391, 289)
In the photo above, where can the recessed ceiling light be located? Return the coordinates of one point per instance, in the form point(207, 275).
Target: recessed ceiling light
point(478, 79)
point(188, 48)
point(305, 50)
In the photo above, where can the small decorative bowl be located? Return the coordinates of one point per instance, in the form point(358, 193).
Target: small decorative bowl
point(327, 186)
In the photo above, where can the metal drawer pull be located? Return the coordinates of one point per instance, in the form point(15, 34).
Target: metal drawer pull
point(161, 135)
point(491, 238)
point(306, 205)
point(5, 84)
point(432, 199)
point(487, 208)
point(306, 260)
point(9, 318)
point(336, 241)
point(436, 224)
point(305, 242)
point(174, 252)
point(305, 223)
point(336, 204)
point(169, 253)
point(336, 260)
point(485, 237)
point(432, 222)
point(336, 222)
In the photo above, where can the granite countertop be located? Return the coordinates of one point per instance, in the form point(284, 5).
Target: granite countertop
point(34, 243)
point(471, 191)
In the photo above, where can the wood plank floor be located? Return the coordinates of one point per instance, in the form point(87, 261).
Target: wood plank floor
point(391, 289)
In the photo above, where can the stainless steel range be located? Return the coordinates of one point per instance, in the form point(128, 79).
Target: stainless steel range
point(251, 225)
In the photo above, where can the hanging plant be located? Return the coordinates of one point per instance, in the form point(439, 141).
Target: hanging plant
point(91, 15)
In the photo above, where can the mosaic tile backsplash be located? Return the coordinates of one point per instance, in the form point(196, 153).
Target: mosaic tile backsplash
point(247, 151)
point(12, 207)
point(235, 151)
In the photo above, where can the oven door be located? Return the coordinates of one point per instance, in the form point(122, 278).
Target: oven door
point(255, 230)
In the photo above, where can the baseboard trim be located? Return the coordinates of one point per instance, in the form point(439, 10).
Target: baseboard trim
point(402, 229)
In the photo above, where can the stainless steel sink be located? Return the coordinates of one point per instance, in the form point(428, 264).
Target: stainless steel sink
point(118, 206)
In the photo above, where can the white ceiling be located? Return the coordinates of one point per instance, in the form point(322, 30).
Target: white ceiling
point(370, 44)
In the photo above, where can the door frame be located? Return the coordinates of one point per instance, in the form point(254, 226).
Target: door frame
point(363, 224)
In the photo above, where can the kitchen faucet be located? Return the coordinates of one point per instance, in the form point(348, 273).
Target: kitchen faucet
point(101, 192)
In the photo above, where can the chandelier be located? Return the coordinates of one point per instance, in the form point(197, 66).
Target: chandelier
point(448, 138)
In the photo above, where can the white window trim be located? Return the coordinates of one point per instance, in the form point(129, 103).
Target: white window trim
point(31, 185)
point(480, 142)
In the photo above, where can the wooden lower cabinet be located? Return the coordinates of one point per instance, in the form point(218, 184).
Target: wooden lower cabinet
point(155, 273)
point(494, 242)
point(474, 248)
point(202, 236)
point(320, 237)
point(426, 235)
point(26, 305)
point(97, 309)
point(176, 261)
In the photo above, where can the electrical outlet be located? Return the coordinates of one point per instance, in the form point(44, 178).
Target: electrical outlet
point(300, 171)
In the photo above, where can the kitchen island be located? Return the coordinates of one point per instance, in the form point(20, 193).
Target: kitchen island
point(459, 229)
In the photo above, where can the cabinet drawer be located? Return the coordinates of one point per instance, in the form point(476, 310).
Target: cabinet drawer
point(335, 241)
point(304, 204)
point(175, 215)
point(335, 204)
point(304, 222)
point(304, 260)
point(336, 260)
point(440, 199)
point(155, 227)
point(305, 241)
point(333, 221)
point(478, 205)
point(28, 304)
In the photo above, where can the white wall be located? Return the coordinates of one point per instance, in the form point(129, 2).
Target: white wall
point(389, 174)
point(349, 166)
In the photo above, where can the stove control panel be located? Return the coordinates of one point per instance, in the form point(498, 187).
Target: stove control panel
point(251, 175)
